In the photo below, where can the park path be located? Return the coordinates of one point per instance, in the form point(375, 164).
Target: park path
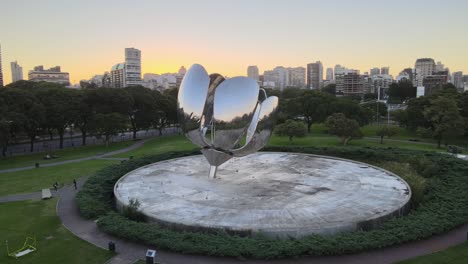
point(101, 156)
point(129, 252)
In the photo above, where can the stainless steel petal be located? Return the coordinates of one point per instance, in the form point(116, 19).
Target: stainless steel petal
point(235, 101)
point(264, 128)
point(207, 119)
point(191, 102)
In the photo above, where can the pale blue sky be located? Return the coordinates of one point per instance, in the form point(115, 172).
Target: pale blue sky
point(88, 37)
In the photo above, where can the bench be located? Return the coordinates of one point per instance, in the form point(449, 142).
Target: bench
point(46, 194)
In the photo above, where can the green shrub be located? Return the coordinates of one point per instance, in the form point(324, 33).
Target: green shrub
point(417, 183)
point(444, 206)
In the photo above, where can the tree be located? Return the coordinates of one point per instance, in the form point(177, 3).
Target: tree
point(444, 118)
point(60, 109)
point(351, 109)
point(388, 131)
point(345, 128)
point(85, 113)
point(166, 112)
point(312, 106)
point(108, 125)
point(414, 113)
point(25, 112)
point(291, 129)
point(143, 109)
point(330, 89)
point(401, 91)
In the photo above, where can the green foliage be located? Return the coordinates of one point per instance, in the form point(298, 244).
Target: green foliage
point(444, 117)
point(345, 128)
point(132, 211)
point(401, 91)
point(444, 206)
point(417, 183)
point(291, 129)
point(388, 131)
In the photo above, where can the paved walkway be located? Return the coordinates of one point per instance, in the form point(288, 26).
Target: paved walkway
point(128, 252)
point(101, 156)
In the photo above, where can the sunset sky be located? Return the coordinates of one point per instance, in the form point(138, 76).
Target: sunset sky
point(87, 37)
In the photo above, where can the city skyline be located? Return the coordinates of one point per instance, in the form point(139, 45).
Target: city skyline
point(228, 37)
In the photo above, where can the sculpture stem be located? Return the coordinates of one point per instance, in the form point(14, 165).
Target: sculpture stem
point(213, 170)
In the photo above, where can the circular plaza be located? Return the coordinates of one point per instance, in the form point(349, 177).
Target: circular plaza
point(273, 193)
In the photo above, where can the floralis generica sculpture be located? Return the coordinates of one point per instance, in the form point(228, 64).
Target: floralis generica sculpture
point(225, 117)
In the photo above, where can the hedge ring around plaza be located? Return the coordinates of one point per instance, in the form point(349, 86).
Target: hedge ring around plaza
point(444, 206)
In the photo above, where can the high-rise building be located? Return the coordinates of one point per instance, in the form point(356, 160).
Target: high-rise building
point(297, 77)
point(374, 71)
point(340, 70)
point(132, 67)
point(54, 74)
point(349, 84)
point(457, 80)
point(252, 72)
point(385, 70)
point(381, 84)
point(1, 72)
point(423, 67)
point(330, 74)
point(117, 76)
point(439, 67)
point(314, 75)
point(182, 71)
point(16, 72)
point(433, 83)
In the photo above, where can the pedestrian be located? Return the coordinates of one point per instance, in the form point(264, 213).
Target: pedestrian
point(74, 183)
point(55, 186)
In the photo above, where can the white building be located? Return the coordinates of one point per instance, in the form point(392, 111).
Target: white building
point(423, 67)
point(381, 84)
point(457, 80)
point(252, 72)
point(16, 72)
point(54, 74)
point(341, 70)
point(132, 67)
point(297, 76)
point(314, 75)
point(385, 70)
point(374, 71)
point(160, 81)
point(330, 74)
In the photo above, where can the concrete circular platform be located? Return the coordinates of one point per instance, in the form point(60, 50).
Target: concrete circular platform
point(277, 194)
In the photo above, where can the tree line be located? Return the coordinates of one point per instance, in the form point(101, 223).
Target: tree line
point(440, 116)
point(31, 109)
point(299, 109)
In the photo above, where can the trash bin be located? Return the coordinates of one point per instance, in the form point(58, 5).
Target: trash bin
point(150, 256)
point(111, 246)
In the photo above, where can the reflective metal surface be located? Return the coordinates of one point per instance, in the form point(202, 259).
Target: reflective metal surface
point(217, 114)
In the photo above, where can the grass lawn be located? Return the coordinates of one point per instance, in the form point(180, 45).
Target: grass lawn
point(454, 255)
point(63, 154)
point(160, 145)
point(34, 180)
point(55, 244)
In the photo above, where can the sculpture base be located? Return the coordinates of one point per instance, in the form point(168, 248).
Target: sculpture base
point(277, 194)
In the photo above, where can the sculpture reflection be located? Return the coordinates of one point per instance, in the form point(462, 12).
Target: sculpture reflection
point(218, 115)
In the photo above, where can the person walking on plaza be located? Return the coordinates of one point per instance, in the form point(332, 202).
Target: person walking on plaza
point(74, 183)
